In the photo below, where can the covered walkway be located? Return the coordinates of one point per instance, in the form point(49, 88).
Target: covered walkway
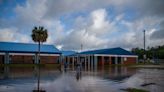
point(93, 59)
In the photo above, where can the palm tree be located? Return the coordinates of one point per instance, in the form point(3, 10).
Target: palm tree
point(40, 35)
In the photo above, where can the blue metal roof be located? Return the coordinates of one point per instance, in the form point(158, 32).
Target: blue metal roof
point(27, 48)
point(68, 53)
point(111, 51)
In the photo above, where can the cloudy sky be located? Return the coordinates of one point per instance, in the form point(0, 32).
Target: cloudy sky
point(93, 23)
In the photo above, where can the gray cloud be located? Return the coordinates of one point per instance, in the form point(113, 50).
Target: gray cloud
point(151, 7)
point(142, 7)
point(94, 30)
point(159, 34)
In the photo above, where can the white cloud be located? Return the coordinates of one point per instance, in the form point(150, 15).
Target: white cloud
point(89, 33)
point(6, 34)
point(12, 34)
point(100, 25)
point(98, 17)
point(32, 12)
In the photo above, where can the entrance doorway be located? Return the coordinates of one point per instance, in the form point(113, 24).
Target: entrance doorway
point(119, 60)
point(113, 60)
point(1, 59)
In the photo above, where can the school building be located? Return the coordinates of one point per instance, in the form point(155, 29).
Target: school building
point(14, 53)
point(101, 57)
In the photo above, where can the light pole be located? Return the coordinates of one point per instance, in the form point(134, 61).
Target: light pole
point(144, 39)
point(81, 47)
point(144, 56)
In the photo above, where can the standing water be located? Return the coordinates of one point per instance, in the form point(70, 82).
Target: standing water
point(108, 79)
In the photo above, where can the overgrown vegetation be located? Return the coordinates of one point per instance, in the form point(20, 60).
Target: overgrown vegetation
point(151, 53)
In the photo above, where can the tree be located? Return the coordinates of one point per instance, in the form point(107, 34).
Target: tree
point(40, 35)
point(152, 52)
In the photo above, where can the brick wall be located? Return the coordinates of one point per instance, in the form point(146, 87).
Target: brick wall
point(18, 59)
point(104, 60)
point(130, 60)
point(101, 60)
point(49, 59)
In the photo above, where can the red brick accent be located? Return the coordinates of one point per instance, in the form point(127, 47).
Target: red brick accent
point(68, 59)
point(110, 60)
point(130, 60)
point(49, 59)
point(102, 60)
point(18, 59)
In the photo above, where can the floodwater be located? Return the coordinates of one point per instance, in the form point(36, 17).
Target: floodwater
point(108, 79)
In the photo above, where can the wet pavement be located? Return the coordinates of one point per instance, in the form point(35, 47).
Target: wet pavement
point(108, 79)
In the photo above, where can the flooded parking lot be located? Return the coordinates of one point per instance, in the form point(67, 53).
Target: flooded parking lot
point(103, 79)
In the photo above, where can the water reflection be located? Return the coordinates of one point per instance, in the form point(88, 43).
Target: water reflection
point(116, 73)
point(21, 79)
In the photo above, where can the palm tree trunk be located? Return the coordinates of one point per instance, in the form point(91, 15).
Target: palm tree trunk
point(39, 53)
point(39, 67)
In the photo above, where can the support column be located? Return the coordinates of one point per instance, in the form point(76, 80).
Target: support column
point(136, 60)
point(89, 62)
point(73, 63)
point(75, 60)
point(85, 63)
point(116, 60)
point(122, 60)
point(60, 59)
point(92, 62)
point(102, 60)
point(6, 59)
point(63, 59)
point(68, 61)
point(95, 63)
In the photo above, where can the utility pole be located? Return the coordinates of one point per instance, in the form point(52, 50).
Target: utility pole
point(144, 56)
point(81, 47)
point(144, 40)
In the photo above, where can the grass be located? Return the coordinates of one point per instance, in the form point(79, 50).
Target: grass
point(134, 90)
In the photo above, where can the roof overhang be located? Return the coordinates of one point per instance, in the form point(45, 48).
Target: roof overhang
point(109, 55)
point(32, 54)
